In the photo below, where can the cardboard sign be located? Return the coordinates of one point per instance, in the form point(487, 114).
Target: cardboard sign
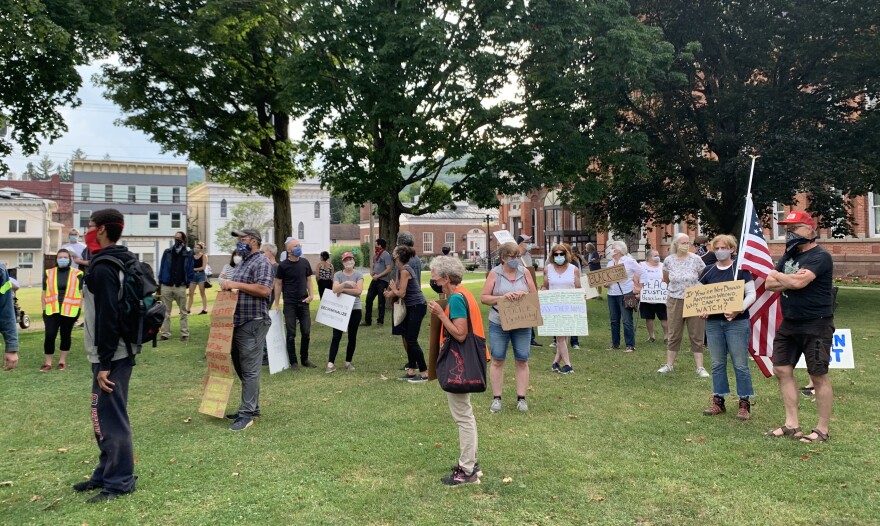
point(503, 236)
point(434, 340)
point(564, 313)
point(335, 311)
point(589, 292)
point(276, 343)
point(606, 276)
point(716, 298)
point(841, 352)
point(218, 382)
point(653, 291)
point(523, 313)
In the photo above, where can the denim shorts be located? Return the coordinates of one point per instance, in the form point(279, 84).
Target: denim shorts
point(521, 339)
point(199, 277)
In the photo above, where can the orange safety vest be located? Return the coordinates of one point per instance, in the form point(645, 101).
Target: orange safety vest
point(69, 307)
point(474, 314)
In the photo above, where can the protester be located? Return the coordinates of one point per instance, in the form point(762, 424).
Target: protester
point(681, 269)
point(379, 274)
point(594, 262)
point(803, 275)
point(701, 247)
point(75, 248)
point(110, 357)
point(448, 272)
point(253, 280)
point(293, 282)
point(200, 263)
point(728, 333)
point(175, 275)
point(8, 325)
point(561, 274)
point(652, 273)
point(347, 281)
point(618, 254)
point(526, 259)
point(324, 271)
point(407, 289)
point(445, 251)
point(406, 239)
point(61, 301)
point(511, 281)
point(229, 269)
point(270, 250)
point(576, 260)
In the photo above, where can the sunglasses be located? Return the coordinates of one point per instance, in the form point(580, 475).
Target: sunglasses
point(559, 253)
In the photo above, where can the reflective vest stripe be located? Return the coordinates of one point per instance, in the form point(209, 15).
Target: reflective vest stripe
point(69, 308)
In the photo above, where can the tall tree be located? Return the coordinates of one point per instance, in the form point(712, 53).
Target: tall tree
point(388, 85)
point(44, 168)
point(65, 169)
point(30, 173)
point(201, 77)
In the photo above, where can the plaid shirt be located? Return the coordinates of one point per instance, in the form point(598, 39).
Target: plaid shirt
point(256, 269)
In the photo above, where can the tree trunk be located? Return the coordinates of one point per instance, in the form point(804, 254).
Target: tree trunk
point(389, 220)
point(281, 216)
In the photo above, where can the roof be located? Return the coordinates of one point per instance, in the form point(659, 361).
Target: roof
point(12, 193)
point(462, 211)
point(345, 231)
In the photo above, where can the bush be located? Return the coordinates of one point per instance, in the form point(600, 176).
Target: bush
point(336, 256)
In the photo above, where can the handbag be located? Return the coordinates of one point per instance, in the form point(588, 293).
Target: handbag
point(398, 312)
point(630, 300)
point(461, 367)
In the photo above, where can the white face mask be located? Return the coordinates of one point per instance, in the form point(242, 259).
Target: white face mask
point(236, 260)
point(348, 264)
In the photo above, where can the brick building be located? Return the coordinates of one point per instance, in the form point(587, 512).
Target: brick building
point(54, 190)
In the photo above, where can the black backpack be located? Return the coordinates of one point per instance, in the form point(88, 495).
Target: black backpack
point(141, 315)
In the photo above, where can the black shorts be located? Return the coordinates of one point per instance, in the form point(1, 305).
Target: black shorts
point(648, 311)
point(812, 338)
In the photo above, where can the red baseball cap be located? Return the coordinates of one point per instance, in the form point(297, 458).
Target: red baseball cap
point(796, 217)
point(346, 255)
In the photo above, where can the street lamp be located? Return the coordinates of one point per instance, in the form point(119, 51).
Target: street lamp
point(488, 244)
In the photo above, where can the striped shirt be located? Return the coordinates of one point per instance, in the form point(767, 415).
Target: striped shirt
point(254, 269)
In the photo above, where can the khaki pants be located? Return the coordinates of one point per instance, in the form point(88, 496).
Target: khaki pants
point(463, 414)
point(174, 294)
point(696, 326)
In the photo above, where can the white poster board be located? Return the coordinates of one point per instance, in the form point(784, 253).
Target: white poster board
point(841, 352)
point(503, 236)
point(334, 311)
point(564, 313)
point(589, 292)
point(276, 343)
point(653, 291)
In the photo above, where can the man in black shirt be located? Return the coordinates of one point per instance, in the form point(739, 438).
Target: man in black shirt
point(293, 282)
point(803, 276)
point(175, 274)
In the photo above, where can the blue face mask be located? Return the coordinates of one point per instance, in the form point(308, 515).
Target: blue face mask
point(242, 248)
point(513, 262)
point(559, 260)
point(72, 239)
point(63, 262)
point(297, 252)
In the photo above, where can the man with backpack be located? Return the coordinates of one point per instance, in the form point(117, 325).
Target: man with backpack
point(110, 357)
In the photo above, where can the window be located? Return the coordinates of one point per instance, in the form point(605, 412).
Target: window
point(873, 214)
point(428, 242)
point(366, 239)
point(154, 220)
point(535, 224)
point(223, 208)
point(132, 194)
point(778, 215)
point(317, 210)
point(85, 192)
point(25, 260)
point(108, 193)
point(574, 221)
point(557, 220)
point(301, 231)
point(17, 226)
point(449, 241)
point(154, 194)
point(175, 219)
point(175, 195)
point(84, 216)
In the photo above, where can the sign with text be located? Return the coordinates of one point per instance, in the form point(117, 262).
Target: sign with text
point(218, 356)
point(606, 276)
point(589, 292)
point(564, 313)
point(276, 343)
point(335, 311)
point(523, 313)
point(653, 291)
point(841, 352)
point(503, 236)
point(715, 298)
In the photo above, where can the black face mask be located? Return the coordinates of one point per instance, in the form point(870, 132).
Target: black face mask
point(436, 288)
point(178, 242)
point(793, 241)
point(445, 251)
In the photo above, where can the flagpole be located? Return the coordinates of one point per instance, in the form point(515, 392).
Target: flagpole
point(746, 217)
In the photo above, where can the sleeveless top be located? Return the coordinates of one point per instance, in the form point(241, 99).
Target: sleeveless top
point(557, 281)
point(503, 285)
point(198, 262)
point(324, 273)
point(413, 294)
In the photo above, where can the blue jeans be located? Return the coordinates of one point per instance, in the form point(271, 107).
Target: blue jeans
point(520, 339)
point(616, 311)
point(730, 338)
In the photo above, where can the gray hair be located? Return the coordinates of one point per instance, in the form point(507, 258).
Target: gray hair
point(406, 239)
point(448, 267)
point(288, 242)
point(271, 248)
point(676, 240)
point(621, 247)
point(652, 251)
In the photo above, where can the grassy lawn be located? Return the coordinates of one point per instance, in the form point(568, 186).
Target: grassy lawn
point(614, 443)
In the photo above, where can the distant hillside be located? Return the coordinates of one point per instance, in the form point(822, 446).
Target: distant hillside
point(195, 174)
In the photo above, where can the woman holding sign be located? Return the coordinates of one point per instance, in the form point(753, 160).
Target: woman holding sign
point(728, 333)
point(651, 279)
point(618, 254)
point(510, 281)
point(347, 281)
point(561, 274)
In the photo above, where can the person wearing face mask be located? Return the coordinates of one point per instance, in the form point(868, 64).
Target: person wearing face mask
point(76, 249)
point(294, 283)
point(618, 254)
point(175, 275)
point(445, 251)
point(325, 273)
point(347, 281)
point(380, 274)
point(594, 262)
point(200, 261)
point(651, 275)
point(61, 301)
point(524, 247)
point(407, 289)
point(508, 280)
point(561, 274)
point(728, 333)
point(681, 269)
point(228, 270)
point(804, 277)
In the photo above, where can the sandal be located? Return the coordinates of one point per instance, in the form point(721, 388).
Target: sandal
point(820, 437)
point(786, 432)
point(808, 391)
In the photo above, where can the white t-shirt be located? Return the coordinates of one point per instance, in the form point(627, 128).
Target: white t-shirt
point(75, 249)
point(626, 286)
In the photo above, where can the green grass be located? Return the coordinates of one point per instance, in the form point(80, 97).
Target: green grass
point(614, 443)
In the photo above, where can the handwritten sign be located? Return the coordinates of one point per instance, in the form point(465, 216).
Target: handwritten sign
point(589, 292)
point(716, 298)
point(276, 344)
point(841, 352)
point(564, 313)
point(523, 313)
point(218, 382)
point(503, 236)
point(335, 311)
point(606, 276)
point(653, 291)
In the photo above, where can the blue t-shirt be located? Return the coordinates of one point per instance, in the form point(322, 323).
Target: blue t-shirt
point(457, 307)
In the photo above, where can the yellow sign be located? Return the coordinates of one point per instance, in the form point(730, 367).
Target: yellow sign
point(216, 396)
point(716, 298)
point(218, 353)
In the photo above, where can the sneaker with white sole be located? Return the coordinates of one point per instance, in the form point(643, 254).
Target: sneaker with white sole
point(459, 476)
point(496, 405)
point(665, 369)
point(566, 369)
point(575, 346)
point(703, 373)
point(522, 405)
point(553, 344)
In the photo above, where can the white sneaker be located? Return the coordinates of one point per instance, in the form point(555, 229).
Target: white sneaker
point(665, 369)
point(522, 405)
point(496, 405)
point(702, 373)
point(553, 344)
point(575, 346)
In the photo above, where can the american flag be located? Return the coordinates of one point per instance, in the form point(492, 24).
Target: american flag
point(766, 313)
